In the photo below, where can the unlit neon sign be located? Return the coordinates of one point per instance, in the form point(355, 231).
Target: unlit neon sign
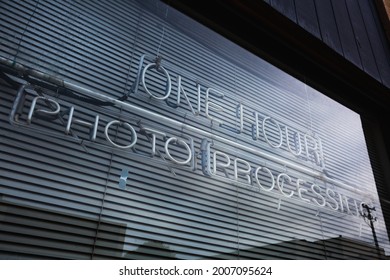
point(210, 149)
point(305, 146)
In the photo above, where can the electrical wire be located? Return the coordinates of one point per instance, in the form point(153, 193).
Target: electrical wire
point(25, 29)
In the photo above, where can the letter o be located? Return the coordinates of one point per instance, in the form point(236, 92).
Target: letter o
point(270, 173)
point(280, 133)
point(126, 125)
point(184, 144)
point(168, 90)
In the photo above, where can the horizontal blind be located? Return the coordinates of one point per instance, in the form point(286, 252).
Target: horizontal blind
point(165, 210)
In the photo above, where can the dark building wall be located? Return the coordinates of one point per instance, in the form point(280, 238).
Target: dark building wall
point(351, 28)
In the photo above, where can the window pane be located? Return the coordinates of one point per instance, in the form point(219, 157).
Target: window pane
point(184, 145)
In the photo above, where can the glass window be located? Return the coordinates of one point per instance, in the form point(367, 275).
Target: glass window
point(200, 149)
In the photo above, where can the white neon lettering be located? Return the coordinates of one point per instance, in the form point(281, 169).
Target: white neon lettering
point(255, 127)
point(246, 172)
point(343, 200)
point(280, 183)
point(317, 191)
point(209, 105)
point(42, 111)
point(311, 149)
point(279, 130)
point(198, 86)
point(159, 69)
point(218, 165)
point(154, 134)
point(321, 154)
point(92, 126)
point(70, 118)
point(128, 126)
point(297, 142)
point(271, 176)
point(273, 130)
point(356, 208)
point(178, 141)
point(301, 190)
point(180, 90)
point(240, 114)
point(347, 204)
point(346, 199)
point(331, 195)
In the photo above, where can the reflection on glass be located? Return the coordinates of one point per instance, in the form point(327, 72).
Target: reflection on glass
point(249, 162)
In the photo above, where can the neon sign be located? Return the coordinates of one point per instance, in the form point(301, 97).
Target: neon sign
point(207, 153)
point(299, 144)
